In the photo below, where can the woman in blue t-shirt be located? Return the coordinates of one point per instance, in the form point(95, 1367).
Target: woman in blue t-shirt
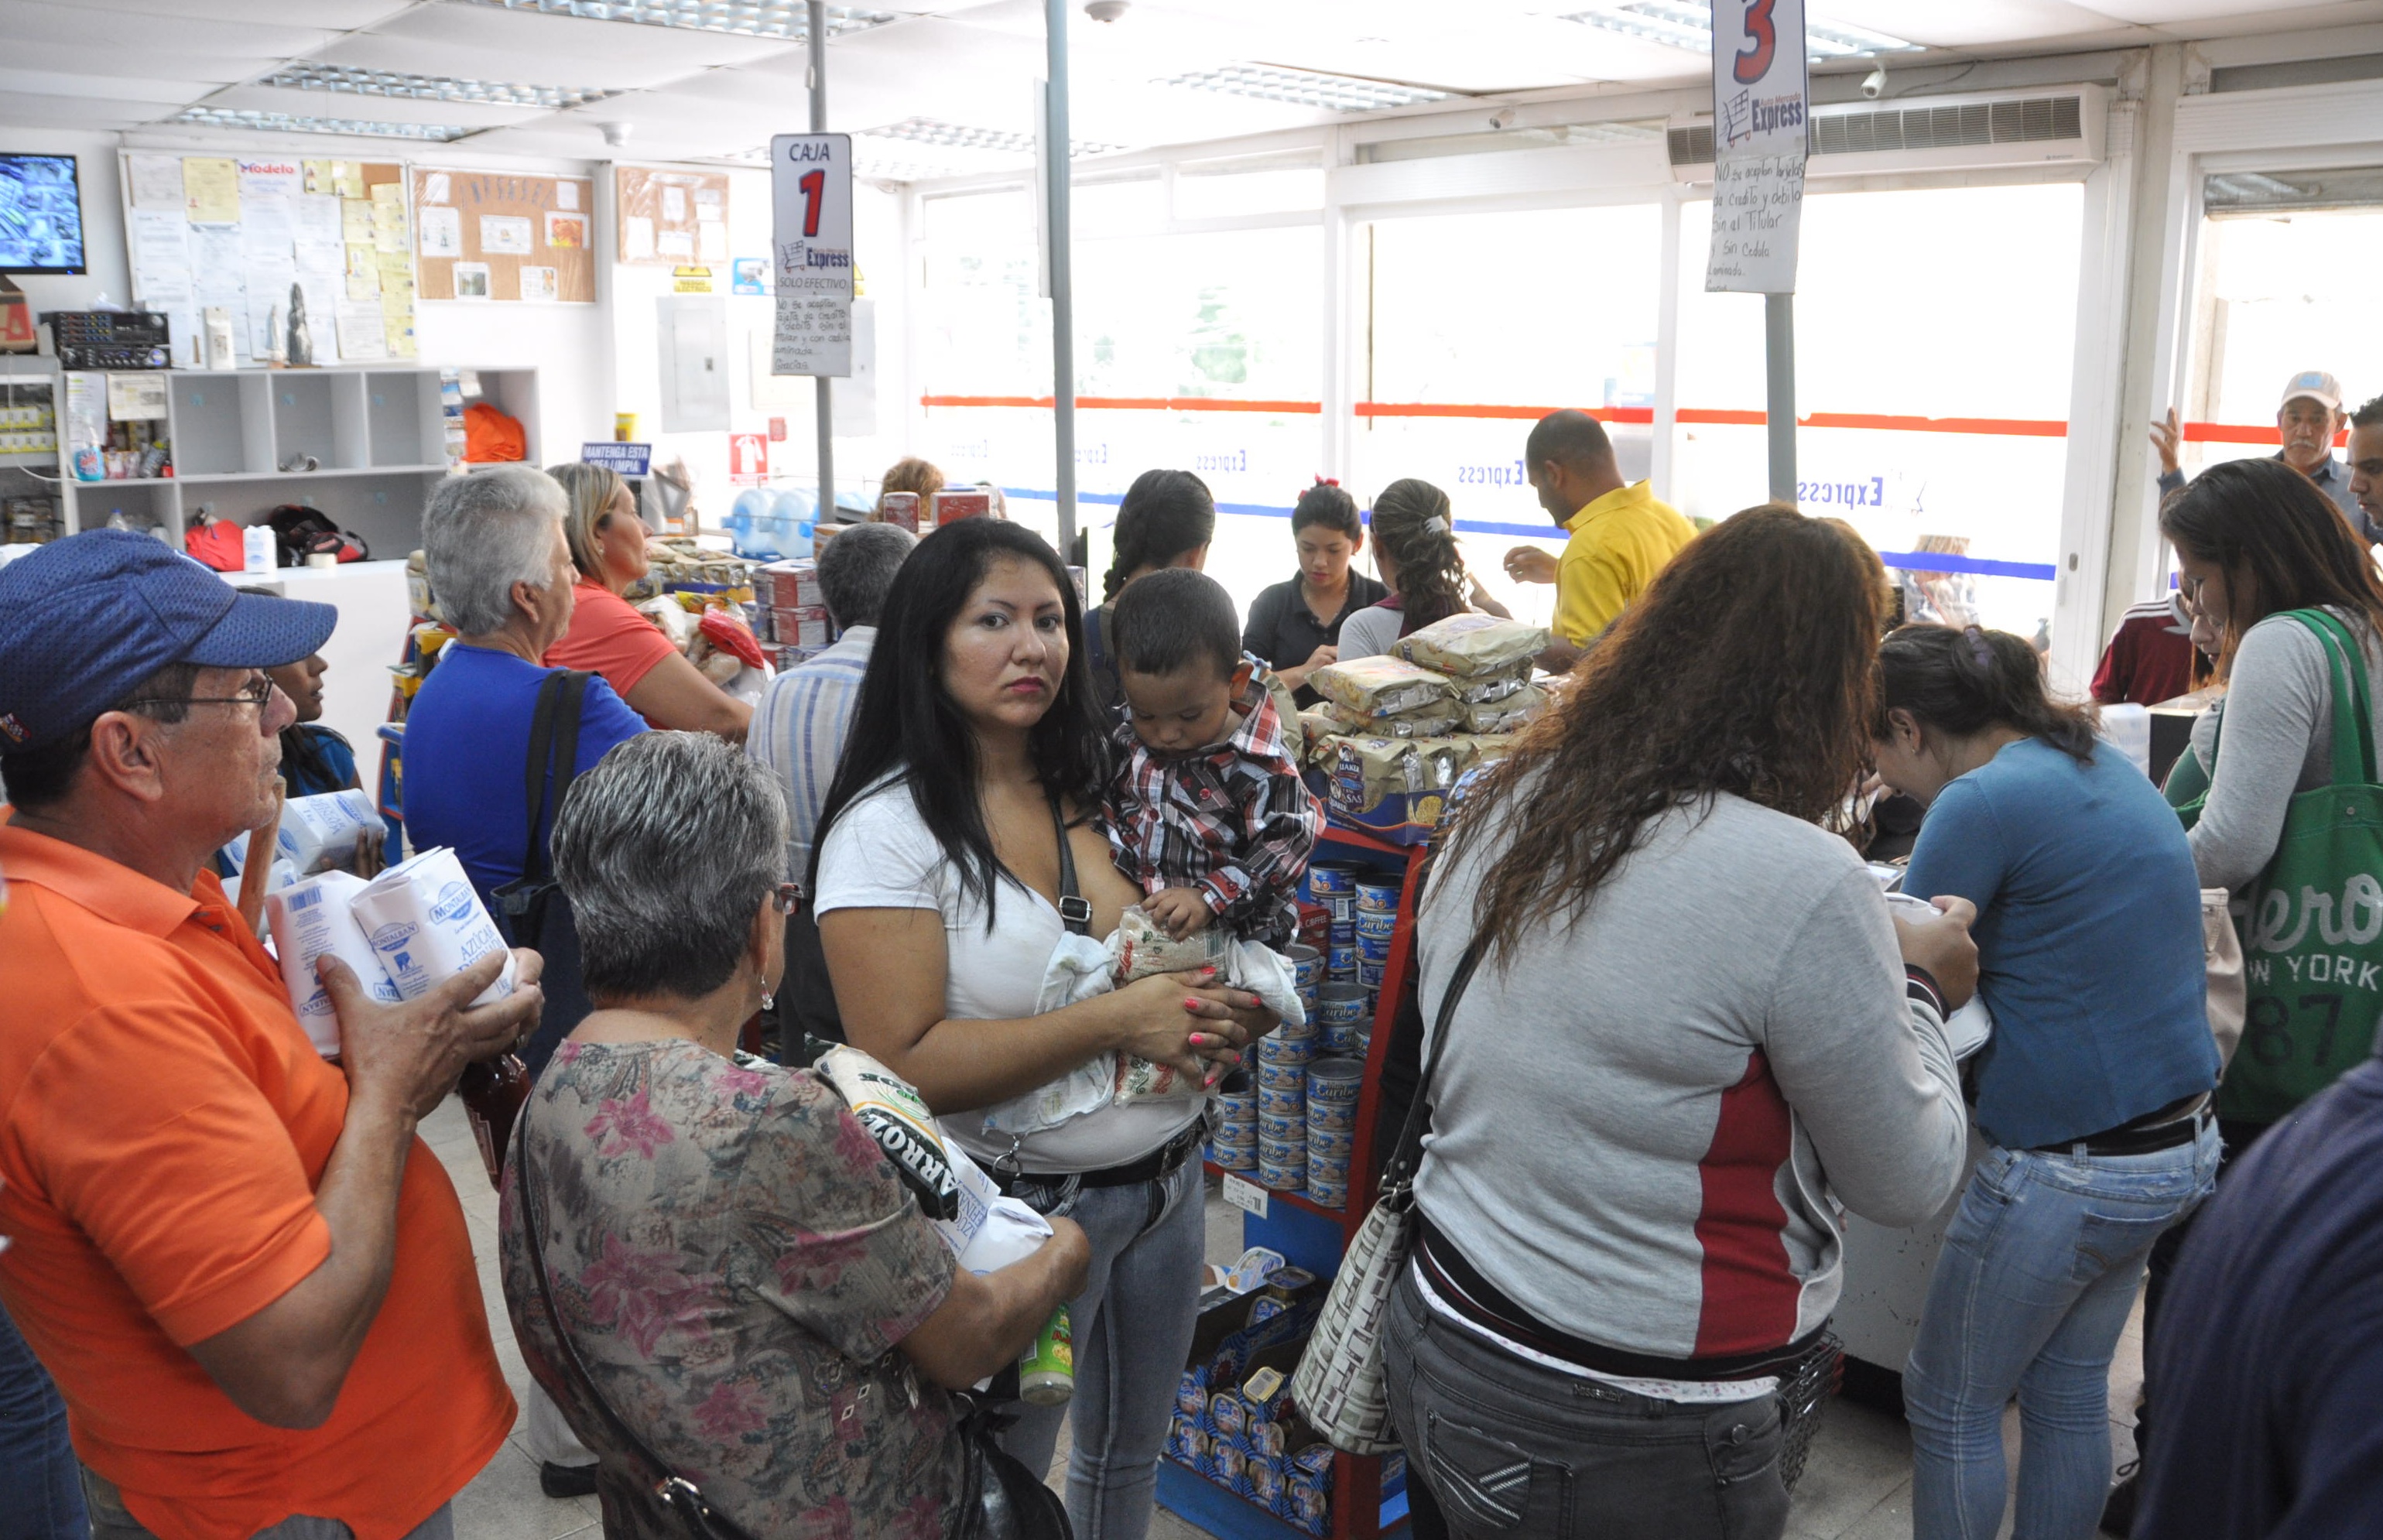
point(2092, 1091)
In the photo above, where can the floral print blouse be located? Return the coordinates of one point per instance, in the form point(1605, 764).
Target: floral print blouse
point(735, 1259)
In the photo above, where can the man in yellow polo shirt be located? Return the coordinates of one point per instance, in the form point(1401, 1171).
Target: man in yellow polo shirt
point(1620, 535)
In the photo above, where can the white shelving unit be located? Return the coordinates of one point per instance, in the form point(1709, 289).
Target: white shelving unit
point(375, 430)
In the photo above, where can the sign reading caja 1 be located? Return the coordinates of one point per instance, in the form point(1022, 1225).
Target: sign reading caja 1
point(1759, 135)
point(811, 189)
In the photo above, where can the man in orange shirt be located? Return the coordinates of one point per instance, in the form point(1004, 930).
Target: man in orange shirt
point(250, 1279)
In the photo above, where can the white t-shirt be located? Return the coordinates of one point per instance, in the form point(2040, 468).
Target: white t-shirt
point(1369, 632)
point(882, 855)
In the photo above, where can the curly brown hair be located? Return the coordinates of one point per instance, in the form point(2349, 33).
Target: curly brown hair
point(1749, 666)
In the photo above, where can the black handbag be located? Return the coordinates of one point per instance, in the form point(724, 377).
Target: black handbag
point(553, 758)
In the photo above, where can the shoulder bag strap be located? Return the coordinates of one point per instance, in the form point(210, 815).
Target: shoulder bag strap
point(1399, 1169)
point(2354, 725)
point(1075, 910)
point(535, 766)
point(675, 1492)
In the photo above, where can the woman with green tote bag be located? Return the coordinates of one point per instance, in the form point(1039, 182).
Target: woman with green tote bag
point(2292, 822)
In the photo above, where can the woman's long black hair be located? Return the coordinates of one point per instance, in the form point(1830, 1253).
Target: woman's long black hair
point(1162, 514)
point(2281, 543)
point(906, 726)
point(1962, 680)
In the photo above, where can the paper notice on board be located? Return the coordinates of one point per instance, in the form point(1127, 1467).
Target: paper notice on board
point(363, 333)
point(210, 191)
point(348, 179)
point(505, 235)
point(568, 231)
point(441, 230)
point(158, 182)
point(267, 181)
point(318, 235)
point(317, 182)
point(323, 296)
point(389, 218)
point(673, 205)
point(437, 188)
point(136, 397)
point(219, 276)
point(363, 274)
point(161, 257)
point(537, 283)
point(677, 245)
point(566, 195)
point(356, 221)
point(636, 238)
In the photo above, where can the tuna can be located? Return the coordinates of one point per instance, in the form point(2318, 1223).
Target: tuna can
point(1341, 931)
point(1328, 1194)
point(1275, 1048)
point(1282, 1129)
point(1376, 895)
point(1237, 1136)
point(1330, 880)
point(1372, 949)
point(1238, 1157)
point(1306, 964)
point(1325, 1117)
point(1335, 1082)
point(1240, 1107)
point(1279, 1077)
point(1376, 925)
point(1327, 1143)
point(1370, 971)
point(1290, 1176)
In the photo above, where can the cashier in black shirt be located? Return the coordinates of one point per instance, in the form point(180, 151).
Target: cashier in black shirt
point(1295, 627)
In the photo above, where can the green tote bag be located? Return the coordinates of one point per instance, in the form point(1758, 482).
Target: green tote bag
point(2311, 923)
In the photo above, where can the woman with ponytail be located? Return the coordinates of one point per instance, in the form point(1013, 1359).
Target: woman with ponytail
point(1166, 519)
point(2092, 1092)
point(1414, 547)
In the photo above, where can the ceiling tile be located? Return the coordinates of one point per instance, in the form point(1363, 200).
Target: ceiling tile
point(27, 21)
point(488, 44)
point(133, 61)
point(57, 83)
point(19, 109)
point(310, 14)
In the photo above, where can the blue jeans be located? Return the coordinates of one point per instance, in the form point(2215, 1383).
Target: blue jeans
point(1133, 1331)
point(2037, 1274)
point(40, 1497)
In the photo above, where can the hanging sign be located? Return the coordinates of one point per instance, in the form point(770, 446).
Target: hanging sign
point(1759, 134)
point(811, 189)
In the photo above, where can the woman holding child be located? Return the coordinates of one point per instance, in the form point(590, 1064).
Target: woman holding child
point(957, 848)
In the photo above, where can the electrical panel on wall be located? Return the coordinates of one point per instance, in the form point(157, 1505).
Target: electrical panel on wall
point(693, 359)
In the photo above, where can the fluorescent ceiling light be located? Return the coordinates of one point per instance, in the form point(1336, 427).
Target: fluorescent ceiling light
point(954, 136)
point(283, 122)
point(1688, 24)
point(429, 88)
point(1306, 87)
point(772, 19)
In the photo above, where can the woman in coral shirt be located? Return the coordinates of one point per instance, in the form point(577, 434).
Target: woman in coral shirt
point(607, 637)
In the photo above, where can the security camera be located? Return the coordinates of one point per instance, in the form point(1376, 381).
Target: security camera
point(616, 134)
point(1107, 10)
point(1874, 83)
point(1502, 118)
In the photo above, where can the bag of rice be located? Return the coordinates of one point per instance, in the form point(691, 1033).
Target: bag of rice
point(1480, 689)
point(1378, 686)
point(1434, 720)
point(894, 1113)
point(1467, 644)
point(1510, 715)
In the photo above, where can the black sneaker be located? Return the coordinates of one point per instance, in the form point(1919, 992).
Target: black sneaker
point(566, 1481)
point(2118, 1507)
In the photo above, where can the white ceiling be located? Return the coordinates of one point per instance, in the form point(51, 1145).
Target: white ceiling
point(126, 64)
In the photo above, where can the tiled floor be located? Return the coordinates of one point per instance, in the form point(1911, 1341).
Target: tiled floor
point(1857, 1483)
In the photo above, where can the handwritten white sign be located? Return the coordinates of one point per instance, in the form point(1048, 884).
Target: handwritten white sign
point(811, 185)
point(1760, 128)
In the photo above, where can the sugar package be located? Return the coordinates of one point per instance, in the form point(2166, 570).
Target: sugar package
point(990, 1230)
point(320, 831)
point(313, 918)
point(427, 925)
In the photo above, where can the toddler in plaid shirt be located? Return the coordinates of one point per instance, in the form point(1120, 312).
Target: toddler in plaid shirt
point(1207, 814)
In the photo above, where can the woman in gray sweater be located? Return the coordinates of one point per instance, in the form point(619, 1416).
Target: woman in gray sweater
point(1694, 1033)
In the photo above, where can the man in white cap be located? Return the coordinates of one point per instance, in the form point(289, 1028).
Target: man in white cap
point(2307, 422)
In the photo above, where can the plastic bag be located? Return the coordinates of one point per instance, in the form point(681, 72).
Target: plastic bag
point(1467, 644)
point(1378, 686)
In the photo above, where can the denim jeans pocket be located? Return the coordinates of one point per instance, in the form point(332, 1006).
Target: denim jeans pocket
point(1748, 1448)
point(2112, 1234)
point(1490, 1483)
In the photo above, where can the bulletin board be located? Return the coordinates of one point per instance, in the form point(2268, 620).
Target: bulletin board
point(239, 231)
point(500, 235)
point(671, 218)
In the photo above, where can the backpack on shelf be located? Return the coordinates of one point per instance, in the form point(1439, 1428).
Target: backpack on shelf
point(300, 531)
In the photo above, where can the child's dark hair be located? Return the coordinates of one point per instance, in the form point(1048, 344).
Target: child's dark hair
point(1962, 681)
point(1412, 527)
point(1325, 504)
point(1173, 620)
point(1162, 514)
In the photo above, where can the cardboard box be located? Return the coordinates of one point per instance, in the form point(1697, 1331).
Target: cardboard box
point(791, 585)
point(951, 507)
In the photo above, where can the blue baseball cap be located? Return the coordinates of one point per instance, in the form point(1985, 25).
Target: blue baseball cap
point(85, 619)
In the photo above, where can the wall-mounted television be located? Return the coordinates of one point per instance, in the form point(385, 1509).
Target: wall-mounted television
point(40, 214)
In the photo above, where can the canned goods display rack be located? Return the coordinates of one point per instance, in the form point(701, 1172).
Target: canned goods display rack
point(1315, 1237)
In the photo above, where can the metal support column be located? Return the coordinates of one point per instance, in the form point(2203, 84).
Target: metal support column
point(1779, 398)
point(822, 387)
point(1057, 178)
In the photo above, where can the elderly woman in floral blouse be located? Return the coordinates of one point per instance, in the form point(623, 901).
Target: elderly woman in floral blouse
point(757, 1297)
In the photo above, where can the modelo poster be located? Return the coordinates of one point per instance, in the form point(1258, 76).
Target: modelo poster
point(1759, 134)
point(811, 188)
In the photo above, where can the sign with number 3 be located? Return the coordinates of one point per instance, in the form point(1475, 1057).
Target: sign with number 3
point(1760, 128)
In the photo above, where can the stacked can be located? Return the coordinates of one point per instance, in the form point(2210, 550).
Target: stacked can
point(1331, 1127)
point(1341, 1018)
point(1307, 975)
point(1282, 1111)
point(1236, 1144)
point(1376, 919)
point(1334, 885)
